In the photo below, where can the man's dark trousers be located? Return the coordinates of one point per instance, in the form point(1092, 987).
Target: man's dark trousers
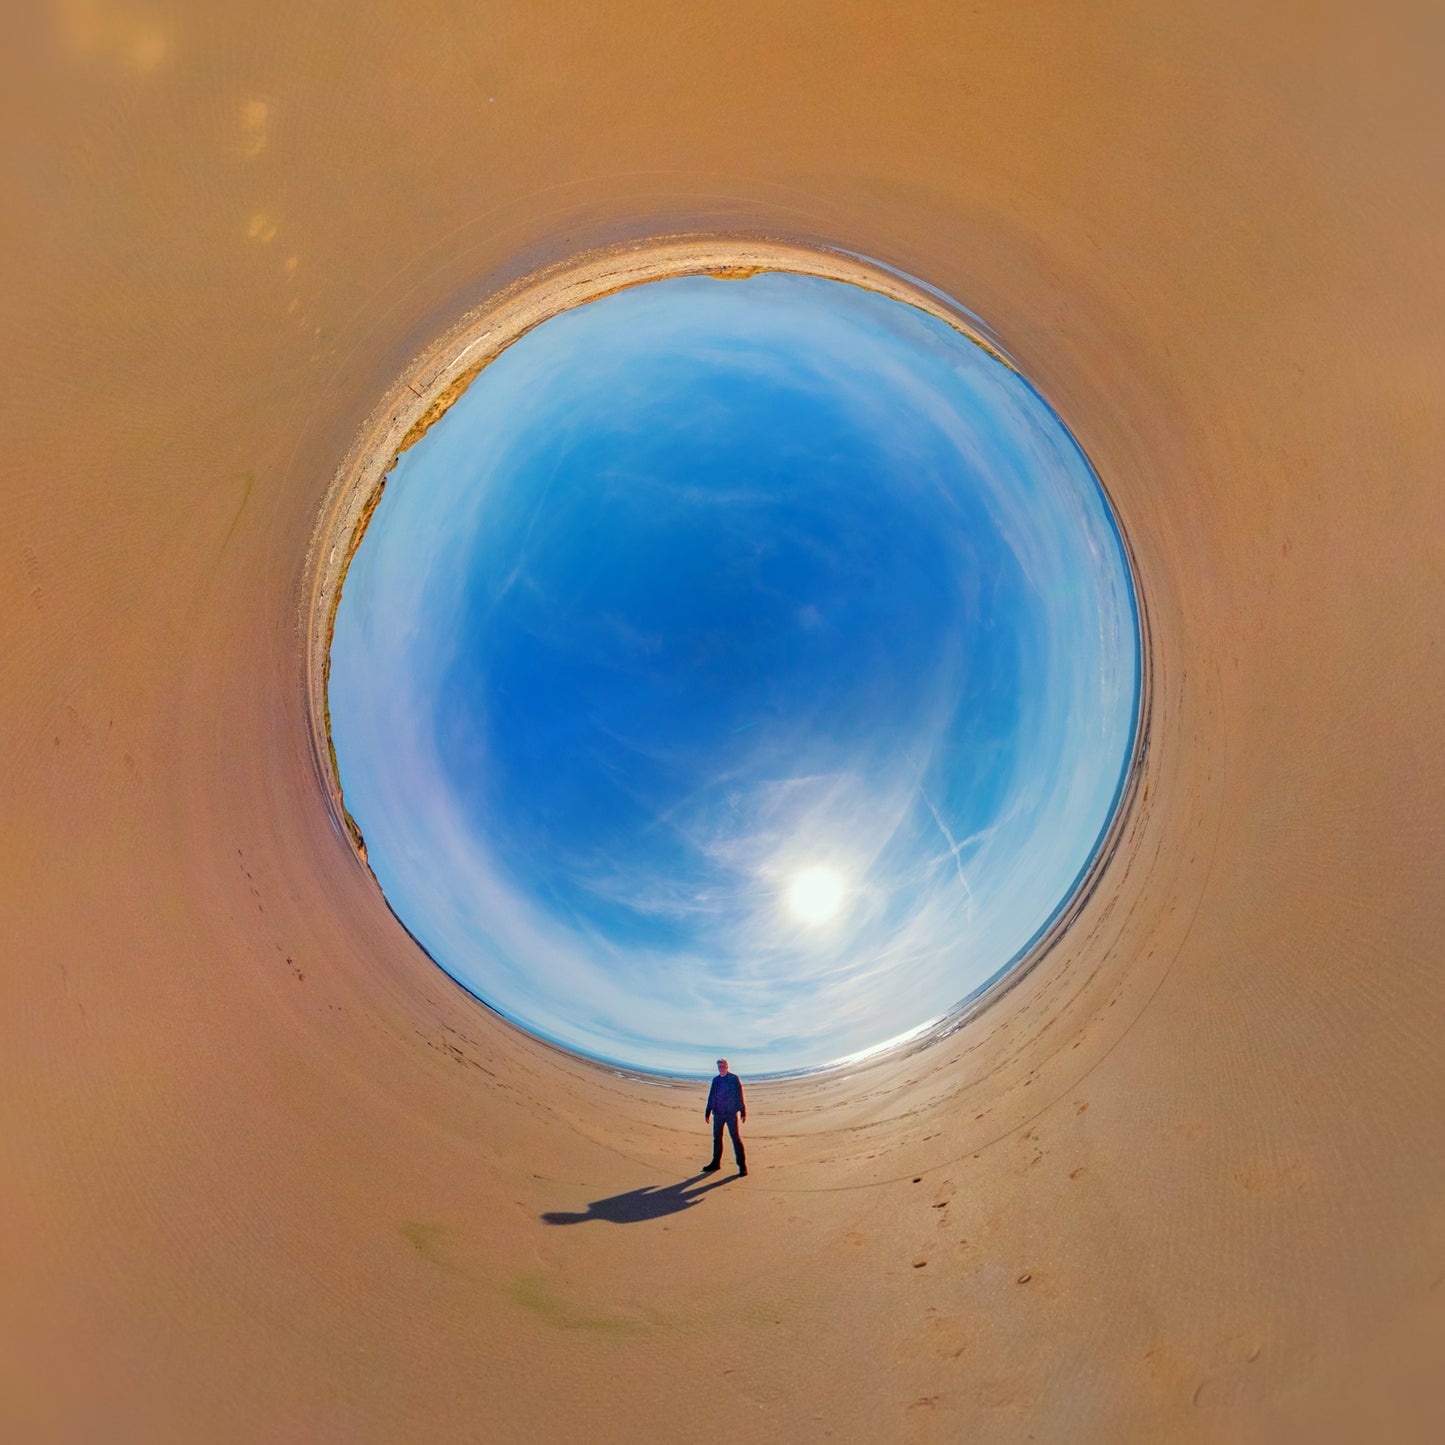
point(731, 1120)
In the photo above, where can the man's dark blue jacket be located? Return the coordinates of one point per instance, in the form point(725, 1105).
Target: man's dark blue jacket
point(726, 1096)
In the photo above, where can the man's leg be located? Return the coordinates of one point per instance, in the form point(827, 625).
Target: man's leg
point(717, 1128)
point(737, 1144)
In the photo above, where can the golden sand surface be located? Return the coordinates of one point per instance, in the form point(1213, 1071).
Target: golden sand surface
point(268, 1175)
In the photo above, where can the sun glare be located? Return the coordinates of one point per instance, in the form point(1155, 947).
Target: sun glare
point(815, 895)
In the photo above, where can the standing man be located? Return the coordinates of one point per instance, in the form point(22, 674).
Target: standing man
point(725, 1106)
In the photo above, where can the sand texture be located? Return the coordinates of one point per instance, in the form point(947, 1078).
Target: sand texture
point(268, 1175)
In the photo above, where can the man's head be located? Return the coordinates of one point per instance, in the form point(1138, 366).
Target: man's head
point(722, 1066)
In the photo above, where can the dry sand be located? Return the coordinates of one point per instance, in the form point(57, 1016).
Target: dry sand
point(268, 1175)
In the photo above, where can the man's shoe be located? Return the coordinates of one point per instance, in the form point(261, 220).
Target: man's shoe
point(711, 1168)
point(742, 1169)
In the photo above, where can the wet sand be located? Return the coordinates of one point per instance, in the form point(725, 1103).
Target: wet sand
point(271, 1175)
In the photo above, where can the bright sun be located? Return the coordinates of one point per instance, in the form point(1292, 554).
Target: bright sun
point(815, 895)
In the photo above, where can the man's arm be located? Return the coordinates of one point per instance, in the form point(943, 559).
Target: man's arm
point(742, 1104)
point(711, 1097)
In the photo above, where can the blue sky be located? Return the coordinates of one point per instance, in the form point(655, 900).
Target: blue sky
point(740, 667)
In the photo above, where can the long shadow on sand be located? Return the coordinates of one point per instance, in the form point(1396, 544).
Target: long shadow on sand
point(652, 1201)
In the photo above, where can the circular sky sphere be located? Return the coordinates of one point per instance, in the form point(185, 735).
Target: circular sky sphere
point(741, 668)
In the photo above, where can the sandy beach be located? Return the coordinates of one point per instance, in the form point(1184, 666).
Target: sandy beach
point(271, 1175)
